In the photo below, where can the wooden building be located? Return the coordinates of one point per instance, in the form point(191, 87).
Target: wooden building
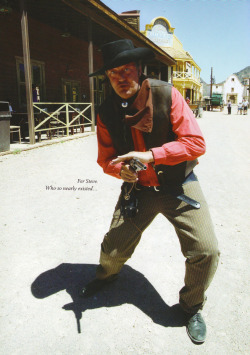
point(49, 47)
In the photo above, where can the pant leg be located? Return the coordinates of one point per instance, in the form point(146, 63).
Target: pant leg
point(124, 235)
point(198, 244)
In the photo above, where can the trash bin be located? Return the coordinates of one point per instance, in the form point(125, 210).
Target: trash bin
point(5, 116)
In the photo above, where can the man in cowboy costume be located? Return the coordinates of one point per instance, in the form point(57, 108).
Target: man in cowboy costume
point(148, 120)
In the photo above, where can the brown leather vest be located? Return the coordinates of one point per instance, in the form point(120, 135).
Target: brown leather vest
point(111, 114)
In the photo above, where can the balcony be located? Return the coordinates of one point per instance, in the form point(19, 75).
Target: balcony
point(184, 76)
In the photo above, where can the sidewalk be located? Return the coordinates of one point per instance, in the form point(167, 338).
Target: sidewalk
point(16, 147)
point(56, 206)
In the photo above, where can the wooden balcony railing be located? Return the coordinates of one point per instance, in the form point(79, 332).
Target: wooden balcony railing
point(185, 75)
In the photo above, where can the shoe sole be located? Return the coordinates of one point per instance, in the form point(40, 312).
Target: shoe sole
point(193, 339)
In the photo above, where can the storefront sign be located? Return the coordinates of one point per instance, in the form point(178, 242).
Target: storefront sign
point(160, 34)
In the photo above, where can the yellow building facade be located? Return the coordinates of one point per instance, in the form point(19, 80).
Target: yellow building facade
point(186, 73)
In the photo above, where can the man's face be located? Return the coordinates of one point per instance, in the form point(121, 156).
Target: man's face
point(124, 80)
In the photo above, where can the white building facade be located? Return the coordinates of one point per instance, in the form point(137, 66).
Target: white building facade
point(232, 89)
point(246, 83)
point(218, 88)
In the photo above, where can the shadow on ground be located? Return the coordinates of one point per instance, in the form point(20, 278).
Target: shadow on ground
point(131, 287)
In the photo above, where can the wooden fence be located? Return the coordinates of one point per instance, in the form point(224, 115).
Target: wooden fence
point(62, 117)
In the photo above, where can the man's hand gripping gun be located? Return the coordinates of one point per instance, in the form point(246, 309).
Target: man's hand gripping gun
point(129, 201)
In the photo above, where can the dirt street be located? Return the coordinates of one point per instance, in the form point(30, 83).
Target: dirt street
point(56, 206)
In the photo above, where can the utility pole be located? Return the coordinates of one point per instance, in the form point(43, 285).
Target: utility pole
point(211, 82)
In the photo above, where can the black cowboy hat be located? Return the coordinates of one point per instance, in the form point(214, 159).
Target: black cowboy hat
point(121, 52)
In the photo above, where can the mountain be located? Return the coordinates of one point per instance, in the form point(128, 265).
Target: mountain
point(244, 73)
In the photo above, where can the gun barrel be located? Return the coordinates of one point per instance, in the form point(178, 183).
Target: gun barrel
point(137, 165)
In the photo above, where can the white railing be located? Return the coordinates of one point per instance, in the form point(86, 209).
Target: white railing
point(64, 116)
point(185, 75)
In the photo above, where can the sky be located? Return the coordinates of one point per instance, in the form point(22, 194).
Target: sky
point(215, 32)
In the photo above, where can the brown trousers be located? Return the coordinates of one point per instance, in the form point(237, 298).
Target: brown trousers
point(193, 227)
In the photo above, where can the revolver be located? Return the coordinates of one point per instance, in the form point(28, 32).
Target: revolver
point(137, 165)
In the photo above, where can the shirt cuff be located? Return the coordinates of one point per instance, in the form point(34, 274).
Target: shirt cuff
point(159, 155)
point(116, 169)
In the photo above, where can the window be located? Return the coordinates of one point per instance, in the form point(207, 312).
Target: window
point(38, 81)
point(71, 90)
point(232, 89)
point(232, 79)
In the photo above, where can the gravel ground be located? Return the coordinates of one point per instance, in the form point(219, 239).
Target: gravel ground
point(56, 205)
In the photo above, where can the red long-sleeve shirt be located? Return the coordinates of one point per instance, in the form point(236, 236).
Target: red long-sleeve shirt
point(188, 145)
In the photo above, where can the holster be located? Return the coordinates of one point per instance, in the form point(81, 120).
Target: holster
point(129, 201)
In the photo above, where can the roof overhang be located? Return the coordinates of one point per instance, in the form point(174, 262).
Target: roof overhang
point(108, 19)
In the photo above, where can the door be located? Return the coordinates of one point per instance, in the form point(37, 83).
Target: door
point(71, 90)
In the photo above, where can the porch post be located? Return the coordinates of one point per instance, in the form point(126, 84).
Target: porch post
point(27, 69)
point(171, 74)
point(159, 70)
point(91, 69)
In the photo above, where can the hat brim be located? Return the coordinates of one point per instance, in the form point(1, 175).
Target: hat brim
point(126, 57)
